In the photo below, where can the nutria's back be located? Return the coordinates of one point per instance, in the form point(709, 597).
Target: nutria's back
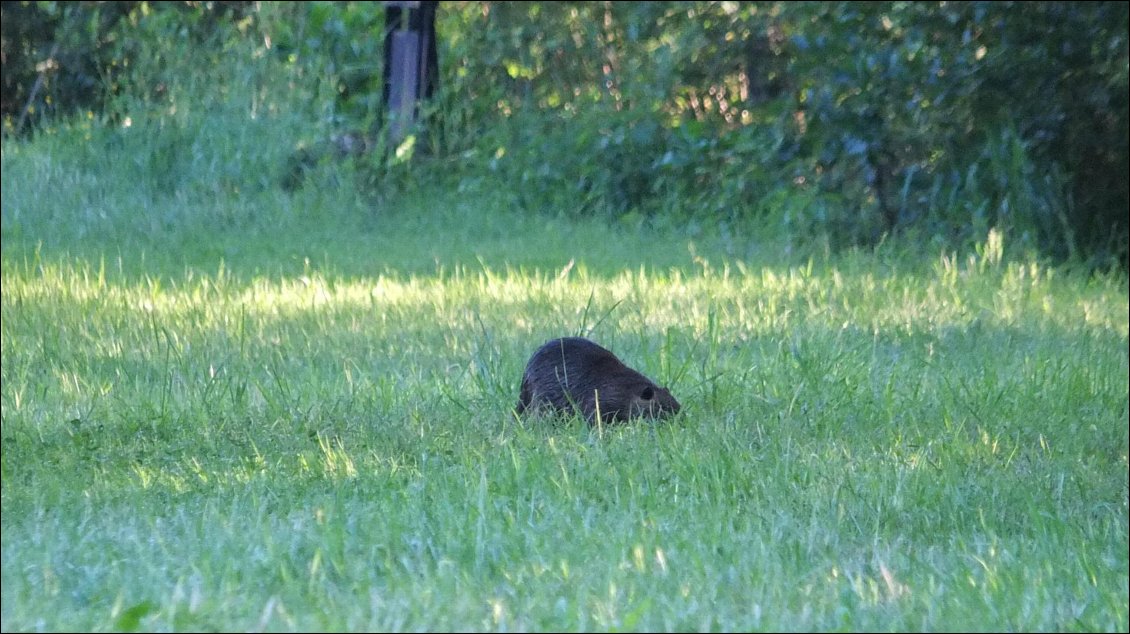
point(573, 374)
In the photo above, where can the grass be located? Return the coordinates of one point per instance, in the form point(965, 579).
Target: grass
point(226, 407)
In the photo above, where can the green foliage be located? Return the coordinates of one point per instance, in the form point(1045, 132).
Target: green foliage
point(54, 58)
point(945, 119)
point(914, 99)
point(343, 42)
point(834, 123)
point(60, 58)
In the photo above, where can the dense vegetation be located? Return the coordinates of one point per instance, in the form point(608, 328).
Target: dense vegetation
point(838, 123)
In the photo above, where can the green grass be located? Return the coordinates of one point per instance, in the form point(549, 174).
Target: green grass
point(229, 408)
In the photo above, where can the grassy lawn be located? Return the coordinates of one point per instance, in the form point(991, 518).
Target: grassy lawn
point(250, 410)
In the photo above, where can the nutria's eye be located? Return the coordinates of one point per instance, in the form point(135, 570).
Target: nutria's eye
point(647, 394)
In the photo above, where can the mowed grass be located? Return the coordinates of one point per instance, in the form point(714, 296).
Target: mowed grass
point(262, 411)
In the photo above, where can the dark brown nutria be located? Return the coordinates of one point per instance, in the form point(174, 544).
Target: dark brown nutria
point(574, 374)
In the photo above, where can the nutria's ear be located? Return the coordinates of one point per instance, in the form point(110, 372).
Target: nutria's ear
point(647, 394)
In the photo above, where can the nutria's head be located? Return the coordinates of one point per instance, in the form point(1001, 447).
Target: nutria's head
point(635, 398)
point(653, 401)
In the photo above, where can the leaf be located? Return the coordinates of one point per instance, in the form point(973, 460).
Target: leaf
point(130, 619)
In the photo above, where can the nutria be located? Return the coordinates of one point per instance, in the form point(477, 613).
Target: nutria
point(574, 374)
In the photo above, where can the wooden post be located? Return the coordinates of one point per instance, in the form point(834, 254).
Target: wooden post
point(411, 63)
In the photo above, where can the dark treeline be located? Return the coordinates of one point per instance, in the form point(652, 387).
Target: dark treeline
point(848, 120)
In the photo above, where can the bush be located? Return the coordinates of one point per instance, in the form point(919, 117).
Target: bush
point(838, 122)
